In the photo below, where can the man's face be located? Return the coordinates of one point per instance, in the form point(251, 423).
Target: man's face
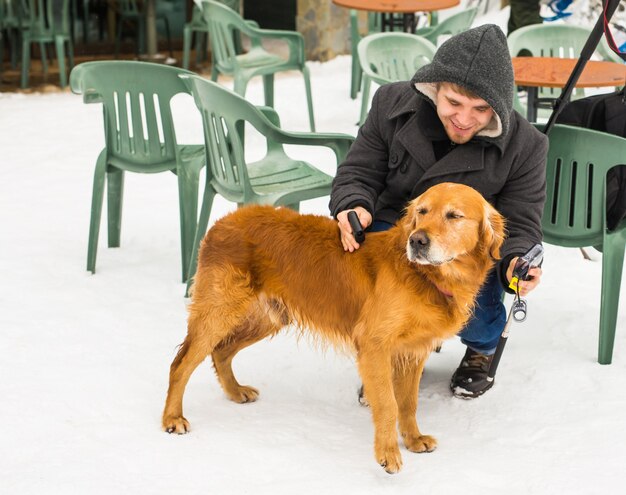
point(461, 116)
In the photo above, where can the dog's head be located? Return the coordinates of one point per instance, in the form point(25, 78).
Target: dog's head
point(449, 221)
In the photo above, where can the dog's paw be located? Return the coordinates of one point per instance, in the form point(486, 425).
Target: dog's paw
point(421, 443)
point(175, 425)
point(390, 460)
point(243, 394)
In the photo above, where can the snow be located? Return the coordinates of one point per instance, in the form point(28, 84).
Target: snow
point(84, 359)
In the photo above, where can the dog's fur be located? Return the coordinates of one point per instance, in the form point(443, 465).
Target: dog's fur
point(392, 301)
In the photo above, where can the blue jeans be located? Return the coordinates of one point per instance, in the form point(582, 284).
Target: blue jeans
point(482, 331)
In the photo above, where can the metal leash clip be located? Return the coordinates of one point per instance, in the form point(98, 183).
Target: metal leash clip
point(519, 309)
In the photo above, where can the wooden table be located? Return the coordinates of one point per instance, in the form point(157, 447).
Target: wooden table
point(389, 7)
point(549, 72)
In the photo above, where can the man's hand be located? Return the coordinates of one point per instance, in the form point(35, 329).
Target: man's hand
point(525, 286)
point(347, 239)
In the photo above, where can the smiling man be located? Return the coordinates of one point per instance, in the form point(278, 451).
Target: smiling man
point(453, 122)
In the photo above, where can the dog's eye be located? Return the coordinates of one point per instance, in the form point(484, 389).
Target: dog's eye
point(422, 211)
point(454, 215)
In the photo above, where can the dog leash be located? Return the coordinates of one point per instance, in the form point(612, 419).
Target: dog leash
point(518, 310)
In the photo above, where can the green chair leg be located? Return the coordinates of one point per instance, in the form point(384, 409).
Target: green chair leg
point(187, 35)
point(355, 81)
point(612, 267)
point(309, 97)
point(268, 89)
point(97, 197)
point(115, 194)
point(25, 63)
point(60, 48)
point(203, 222)
point(365, 95)
point(188, 182)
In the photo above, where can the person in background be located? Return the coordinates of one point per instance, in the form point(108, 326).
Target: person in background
point(453, 122)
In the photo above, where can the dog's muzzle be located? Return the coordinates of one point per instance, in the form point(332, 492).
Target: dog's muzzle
point(420, 250)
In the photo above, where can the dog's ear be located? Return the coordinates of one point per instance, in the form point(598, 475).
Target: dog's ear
point(493, 231)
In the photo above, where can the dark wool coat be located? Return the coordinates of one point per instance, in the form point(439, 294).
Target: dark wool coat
point(393, 158)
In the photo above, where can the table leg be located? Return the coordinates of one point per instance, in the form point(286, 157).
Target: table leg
point(531, 103)
point(409, 23)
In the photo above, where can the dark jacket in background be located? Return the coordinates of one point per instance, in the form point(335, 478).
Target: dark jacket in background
point(402, 148)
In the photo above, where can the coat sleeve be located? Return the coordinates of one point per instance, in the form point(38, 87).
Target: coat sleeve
point(362, 175)
point(521, 202)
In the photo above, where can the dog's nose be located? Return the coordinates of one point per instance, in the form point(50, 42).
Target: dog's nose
point(419, 240)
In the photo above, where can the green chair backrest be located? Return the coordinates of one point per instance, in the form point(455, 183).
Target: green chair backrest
point(46, 17)
point(223, 23)
point(224, 115)
point(136, 98)
point(455, 24)
point(393, 56)
point(578, 161)
point(551, 40)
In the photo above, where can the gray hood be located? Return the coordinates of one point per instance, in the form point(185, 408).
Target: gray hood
point(479, 60)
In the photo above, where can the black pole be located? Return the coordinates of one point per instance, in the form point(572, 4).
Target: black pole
point(493, 367)
point(585, 55)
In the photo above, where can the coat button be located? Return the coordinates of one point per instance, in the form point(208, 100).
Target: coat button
point(403, 167)
point(394, 158)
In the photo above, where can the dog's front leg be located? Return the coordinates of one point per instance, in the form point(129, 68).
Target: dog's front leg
point(406, 379)
point(375, 370)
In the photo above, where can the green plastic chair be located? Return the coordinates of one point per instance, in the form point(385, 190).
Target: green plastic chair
point(575, 211)
point(390, 57)
point(373, 26)
point(276, 179)
point(140, 137)
point(455, 24)
point(200, 27)
point(224, 23)
point(129, 12)
point(552, 40)
point(47, 25)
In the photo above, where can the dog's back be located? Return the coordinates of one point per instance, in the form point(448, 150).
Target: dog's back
point(290, 260)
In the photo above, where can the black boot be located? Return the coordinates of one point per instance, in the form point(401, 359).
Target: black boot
point(470, 379)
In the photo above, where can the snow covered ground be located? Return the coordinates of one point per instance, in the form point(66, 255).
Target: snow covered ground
point(84, 358)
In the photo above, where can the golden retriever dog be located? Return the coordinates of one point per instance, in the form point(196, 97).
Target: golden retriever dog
point(391, 301)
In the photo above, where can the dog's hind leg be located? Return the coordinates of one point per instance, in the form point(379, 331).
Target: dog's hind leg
point(191, 353)
point(221, 302)
point(255, 328)
point(406, 378)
